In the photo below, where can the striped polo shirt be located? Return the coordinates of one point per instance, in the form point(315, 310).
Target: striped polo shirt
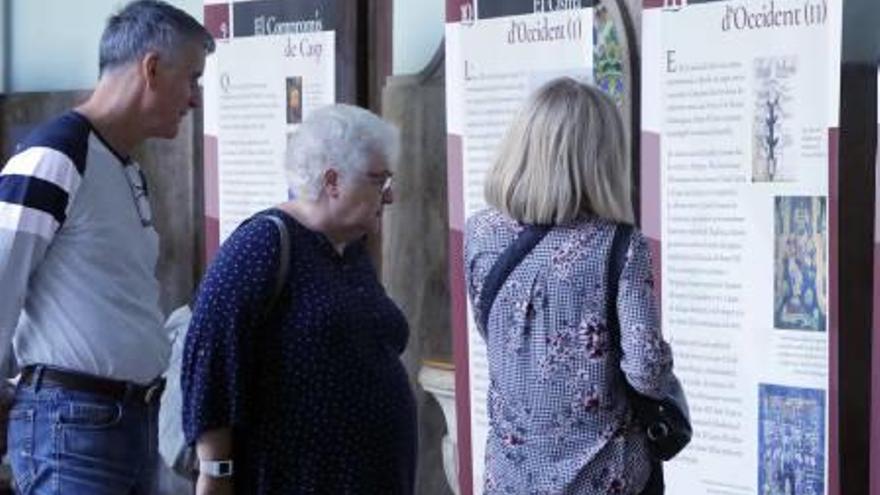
point(78, 256)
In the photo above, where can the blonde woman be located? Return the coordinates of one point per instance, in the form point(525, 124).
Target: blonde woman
point(559, 414)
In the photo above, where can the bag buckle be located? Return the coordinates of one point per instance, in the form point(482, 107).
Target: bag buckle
point(657, 431)
point(153, 391)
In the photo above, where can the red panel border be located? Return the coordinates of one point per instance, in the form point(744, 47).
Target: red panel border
point(834, 306)
point(212, 197)
point(874, 465)
point(650, 208)
point(453, 9)
point(455, 188)
point(217, 20)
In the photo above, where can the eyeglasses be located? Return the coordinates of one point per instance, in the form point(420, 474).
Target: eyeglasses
point(137, 182)
point(384, 180)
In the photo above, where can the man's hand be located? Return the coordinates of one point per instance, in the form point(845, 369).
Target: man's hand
point(207, 485)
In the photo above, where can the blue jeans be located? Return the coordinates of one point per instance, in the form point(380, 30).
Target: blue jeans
point(76, 443)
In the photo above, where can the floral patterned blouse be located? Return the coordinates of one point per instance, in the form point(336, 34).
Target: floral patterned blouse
point(559, 418)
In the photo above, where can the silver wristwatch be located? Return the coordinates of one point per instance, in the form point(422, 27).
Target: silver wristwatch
point(216, 469)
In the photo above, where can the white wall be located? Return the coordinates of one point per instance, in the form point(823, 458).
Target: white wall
point(418, 31)
point(53, 44)
point(4, 9)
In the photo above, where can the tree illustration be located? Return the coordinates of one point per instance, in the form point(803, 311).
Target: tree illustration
point(771, 133)
point(770, 141)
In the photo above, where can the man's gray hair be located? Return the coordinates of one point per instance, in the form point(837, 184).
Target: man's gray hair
point(342, 137)
point(148, 25)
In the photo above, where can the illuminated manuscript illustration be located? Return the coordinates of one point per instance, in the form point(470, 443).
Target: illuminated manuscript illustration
point(791, 441)
point(772, 113)
point(800, 288)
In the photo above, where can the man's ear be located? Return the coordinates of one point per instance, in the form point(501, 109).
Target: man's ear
point(150, 69)
point(330, 182)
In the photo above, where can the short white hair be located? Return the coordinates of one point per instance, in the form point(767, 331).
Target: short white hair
point(563, 158)
point(342, 137)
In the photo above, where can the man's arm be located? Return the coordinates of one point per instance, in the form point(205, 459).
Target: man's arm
point(36, 190)
point(37, 187)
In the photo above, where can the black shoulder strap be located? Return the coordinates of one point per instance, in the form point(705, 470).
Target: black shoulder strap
point(283, 262)
point(617, 258)
point(530, 236)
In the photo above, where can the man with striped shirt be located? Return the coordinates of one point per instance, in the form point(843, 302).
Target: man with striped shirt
point(77, 265)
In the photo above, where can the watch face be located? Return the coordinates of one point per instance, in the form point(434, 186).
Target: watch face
point(216, 469)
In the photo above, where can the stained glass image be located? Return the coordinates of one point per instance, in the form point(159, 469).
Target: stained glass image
point(800, 271)
point(608, 55)
point(791, 441)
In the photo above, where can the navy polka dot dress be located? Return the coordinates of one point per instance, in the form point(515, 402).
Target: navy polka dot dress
point(315, 392)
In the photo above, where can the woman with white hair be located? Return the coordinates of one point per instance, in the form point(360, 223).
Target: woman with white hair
point(560, 417)
point(303, 391)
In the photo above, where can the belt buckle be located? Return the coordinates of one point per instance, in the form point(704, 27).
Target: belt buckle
point(153, 389)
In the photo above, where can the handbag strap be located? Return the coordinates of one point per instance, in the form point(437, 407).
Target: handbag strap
point(283, 262)
point(527, 239)
point(187, 461)
point(617, 258)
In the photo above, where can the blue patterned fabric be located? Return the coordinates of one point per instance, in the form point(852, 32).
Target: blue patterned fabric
point(318, 399)
point(559, 418)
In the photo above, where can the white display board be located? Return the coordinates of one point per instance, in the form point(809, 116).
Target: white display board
point(739, 124)
point(274, 63)
point(497, 53)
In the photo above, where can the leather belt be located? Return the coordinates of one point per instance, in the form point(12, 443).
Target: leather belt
point(114, 389)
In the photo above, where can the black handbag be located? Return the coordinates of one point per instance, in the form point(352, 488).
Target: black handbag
point(666, 421)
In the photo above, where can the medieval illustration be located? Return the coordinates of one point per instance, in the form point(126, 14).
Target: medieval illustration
point(608, 56)
point(294, 100)
point(791, 441)
point(771, 128)
point(800, 266)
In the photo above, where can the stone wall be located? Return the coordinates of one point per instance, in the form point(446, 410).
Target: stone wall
point(414, 246)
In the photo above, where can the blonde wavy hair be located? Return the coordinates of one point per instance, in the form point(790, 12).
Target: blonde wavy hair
point(563, 158)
